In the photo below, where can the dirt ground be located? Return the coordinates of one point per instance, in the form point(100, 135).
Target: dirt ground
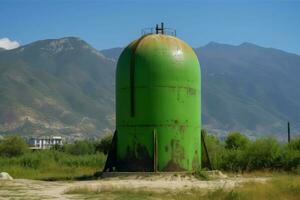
point(33, 189)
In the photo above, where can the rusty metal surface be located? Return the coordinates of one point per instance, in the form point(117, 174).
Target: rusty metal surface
point(158, 76)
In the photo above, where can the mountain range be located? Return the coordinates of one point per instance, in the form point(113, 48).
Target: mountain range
point(66, 87)
point(56, 87)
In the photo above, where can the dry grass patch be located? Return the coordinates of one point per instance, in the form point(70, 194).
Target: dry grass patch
point(280, 186)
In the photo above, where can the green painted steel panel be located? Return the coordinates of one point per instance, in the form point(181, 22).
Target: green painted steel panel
point(158, 90)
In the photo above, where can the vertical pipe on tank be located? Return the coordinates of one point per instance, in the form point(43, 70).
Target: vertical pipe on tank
point(154, 151)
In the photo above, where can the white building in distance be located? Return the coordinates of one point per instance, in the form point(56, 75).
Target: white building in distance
point(44, 142)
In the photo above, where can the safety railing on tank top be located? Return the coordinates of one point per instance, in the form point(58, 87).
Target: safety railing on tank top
point(165, 31)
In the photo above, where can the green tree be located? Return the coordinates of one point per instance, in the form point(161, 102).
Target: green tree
point(236, 140)
point(12, 146)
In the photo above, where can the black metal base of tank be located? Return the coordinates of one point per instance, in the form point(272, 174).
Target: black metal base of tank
point(111, 160)
point(135, 165)
point(128, 164)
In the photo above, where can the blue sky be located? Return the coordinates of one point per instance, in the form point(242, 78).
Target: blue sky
point(112, 23)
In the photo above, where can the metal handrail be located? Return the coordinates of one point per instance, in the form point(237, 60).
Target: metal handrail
point(158, 30)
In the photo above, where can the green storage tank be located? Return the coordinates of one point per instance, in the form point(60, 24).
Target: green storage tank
point(158, 108)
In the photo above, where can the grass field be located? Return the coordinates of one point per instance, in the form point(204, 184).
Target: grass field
point(277, 185)
point(61, 171)
point(52, 165)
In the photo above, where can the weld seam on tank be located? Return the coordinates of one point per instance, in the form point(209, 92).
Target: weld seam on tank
point(156, 125)
point(160, 86)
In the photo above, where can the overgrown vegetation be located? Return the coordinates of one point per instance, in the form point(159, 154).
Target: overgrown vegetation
point(13, 146)
point(82, 158)
point(238, 153)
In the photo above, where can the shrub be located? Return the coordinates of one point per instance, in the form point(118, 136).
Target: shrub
point(290, 159)
point(82, 147)
point(236, 140)
point(12, 146)
point(295, 144)
point(263, 153)
point(234, 160)
point(215, 150)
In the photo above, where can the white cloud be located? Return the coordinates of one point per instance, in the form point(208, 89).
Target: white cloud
point(8, 44)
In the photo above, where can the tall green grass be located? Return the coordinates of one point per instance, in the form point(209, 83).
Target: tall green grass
point(52, 165)
point(236, 153)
